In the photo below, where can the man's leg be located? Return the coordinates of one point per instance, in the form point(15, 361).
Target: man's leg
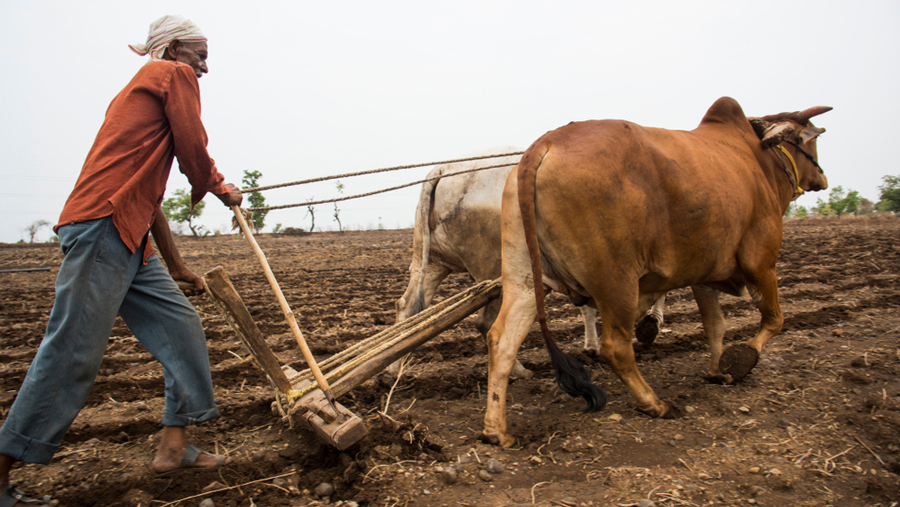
point(93, 278)
point(6, 464)
point(167, 325)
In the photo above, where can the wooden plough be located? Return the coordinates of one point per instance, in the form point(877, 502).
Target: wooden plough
point(307, 398)
point(299, 400)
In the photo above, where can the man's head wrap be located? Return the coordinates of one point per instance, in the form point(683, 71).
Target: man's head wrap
point(165, 30)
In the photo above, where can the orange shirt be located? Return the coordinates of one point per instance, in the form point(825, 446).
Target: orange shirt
point(153, 119)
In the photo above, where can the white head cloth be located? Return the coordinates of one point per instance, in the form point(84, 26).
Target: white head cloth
point(165, 30)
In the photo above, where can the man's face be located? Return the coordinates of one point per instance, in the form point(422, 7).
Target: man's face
point(191, 53)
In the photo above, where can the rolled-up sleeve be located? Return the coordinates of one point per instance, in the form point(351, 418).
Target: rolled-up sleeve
point(182, 104)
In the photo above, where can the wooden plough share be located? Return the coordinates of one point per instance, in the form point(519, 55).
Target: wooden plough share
point(298, 400)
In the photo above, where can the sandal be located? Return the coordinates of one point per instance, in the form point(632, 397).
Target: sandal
point(189, 460)
point(12, 496)
point(192, 452)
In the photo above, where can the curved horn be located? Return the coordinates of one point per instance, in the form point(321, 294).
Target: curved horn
point(813, 111)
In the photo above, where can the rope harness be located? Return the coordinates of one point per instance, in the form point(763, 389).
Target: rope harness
point(793, 176)
point(374, 171)
point(367, 194)
point(808, 154)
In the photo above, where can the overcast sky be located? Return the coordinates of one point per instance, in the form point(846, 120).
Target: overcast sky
point(303, 89)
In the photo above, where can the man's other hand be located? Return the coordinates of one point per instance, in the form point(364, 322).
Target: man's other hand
point(186, 275)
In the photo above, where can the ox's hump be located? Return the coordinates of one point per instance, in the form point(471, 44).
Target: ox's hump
point(725, 110)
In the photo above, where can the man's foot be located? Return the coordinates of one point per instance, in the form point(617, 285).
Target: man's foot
point(191, 457)
point(12, 497)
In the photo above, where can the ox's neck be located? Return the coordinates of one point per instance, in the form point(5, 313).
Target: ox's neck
point(783, 174)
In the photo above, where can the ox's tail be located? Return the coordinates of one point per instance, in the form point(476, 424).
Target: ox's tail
point(419, 300)
point(571, 376)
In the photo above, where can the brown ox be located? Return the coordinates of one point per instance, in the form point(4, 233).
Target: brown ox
point(457, 229)
point(620, 214)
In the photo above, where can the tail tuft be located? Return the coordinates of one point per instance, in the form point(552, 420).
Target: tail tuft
point(575, 380)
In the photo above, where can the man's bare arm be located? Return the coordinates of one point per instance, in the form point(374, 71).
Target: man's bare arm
point(169, 252)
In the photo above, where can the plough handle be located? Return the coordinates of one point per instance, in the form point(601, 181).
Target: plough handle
point(288, 314)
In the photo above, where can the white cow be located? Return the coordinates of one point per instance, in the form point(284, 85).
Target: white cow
point(457, 229)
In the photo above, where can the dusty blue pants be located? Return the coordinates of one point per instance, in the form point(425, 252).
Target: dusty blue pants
point(99, 277)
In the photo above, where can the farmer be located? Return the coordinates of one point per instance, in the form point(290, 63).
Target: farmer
point(109, 267)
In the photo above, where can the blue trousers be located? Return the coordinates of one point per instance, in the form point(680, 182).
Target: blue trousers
point(99, 277)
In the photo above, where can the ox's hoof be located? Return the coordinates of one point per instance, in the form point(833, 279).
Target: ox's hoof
point(668, 411)
point(647, 330)
point(718, 379)
point(594, 354)
point(737, 361)
point(501, 440)
point(520, 372)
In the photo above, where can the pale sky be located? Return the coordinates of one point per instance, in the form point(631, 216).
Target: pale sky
point(304, 89)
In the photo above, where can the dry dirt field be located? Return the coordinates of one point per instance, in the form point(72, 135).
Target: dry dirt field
point(816, 423)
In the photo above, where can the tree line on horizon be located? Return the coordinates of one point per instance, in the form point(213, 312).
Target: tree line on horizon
point(178, 209)
point(842, 202)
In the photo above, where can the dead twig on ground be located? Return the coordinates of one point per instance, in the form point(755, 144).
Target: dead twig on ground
point(292, 472)
point(548, 443)
point(829, 462)
point(67, 453)
point(675, 499)
point(868, 449)
point(403, 363)
point(278, 487)
point(533, 501)
point(387, 465)
point(801, 458)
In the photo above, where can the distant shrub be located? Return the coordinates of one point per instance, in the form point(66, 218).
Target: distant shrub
point(293, 231)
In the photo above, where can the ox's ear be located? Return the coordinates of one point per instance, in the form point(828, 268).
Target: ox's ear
point(810, 133)
point(771, 133)
point(759, 126)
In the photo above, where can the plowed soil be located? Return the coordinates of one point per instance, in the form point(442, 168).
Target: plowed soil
point(816, 423)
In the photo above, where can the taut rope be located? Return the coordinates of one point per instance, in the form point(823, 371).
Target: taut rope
point(383, 190)
point(374, 171)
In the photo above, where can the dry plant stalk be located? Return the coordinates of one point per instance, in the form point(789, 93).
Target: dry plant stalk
point(536, 485)
point(228, 488)
point(404, 362)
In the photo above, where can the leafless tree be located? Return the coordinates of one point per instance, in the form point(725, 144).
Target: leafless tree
point(311, 211)
point(33, 229)
point(337, 211)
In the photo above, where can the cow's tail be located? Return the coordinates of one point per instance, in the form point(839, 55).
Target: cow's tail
point(419, 299)
point(571, 376)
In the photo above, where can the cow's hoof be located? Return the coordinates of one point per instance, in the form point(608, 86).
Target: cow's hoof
point(521, 373)
point(673, 412)
point(718, 379)
point(647, 330)
point(594, 354)
point(669, 411)
point(501, 440)
point(737, 361)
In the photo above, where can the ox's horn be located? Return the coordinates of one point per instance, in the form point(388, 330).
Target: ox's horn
point(804, 116)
